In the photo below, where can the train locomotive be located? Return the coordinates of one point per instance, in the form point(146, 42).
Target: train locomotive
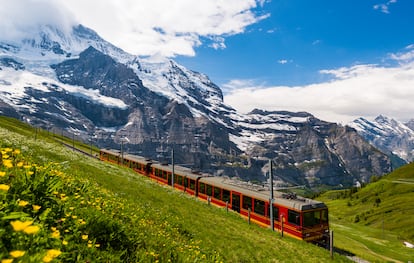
point(296, 216)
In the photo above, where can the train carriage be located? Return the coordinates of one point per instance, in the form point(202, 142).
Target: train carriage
point(112, 156)
point(299, 217)
point(184, 178)
point(137, 163)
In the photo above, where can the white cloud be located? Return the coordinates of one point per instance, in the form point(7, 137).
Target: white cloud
point(239, 84)
point(20, 18)
point(385, 7)
point(218, 43)
point(316, 42)
point(406, 56)
point(140, 27)
point(284, 61)
point(362, 90)
point(167, 27)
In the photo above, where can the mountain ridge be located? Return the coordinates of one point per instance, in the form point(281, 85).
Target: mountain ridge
point(389, 135)
point(104, 94)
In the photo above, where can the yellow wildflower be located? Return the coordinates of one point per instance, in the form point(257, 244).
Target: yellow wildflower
point(54, 252)
point(7, 260)
point(84, 237)
point(36, 207)
point(19, 164)
point(89, 245)
point(17, 253)
point(51, 254)
point(16, 151)
point(55, 234)
point(2, 174)
point(19, 225)
point(4, 187)
point(64, 242)
point(47, 259)
point(97, 245)
point(31, 229)
point(8, 163)
point(23, 203)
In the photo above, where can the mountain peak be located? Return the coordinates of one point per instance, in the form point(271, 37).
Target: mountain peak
point(53, 43)
point(388, 134)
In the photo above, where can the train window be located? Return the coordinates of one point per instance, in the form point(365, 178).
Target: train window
point(192, 184)
point(179, 179)
point(311, 218)
point(202, 188)
point(259, 207)
point(293, 217)
point(324, 216)
point(164, 174)
point(226, 195)
point(185, 182)
point(158, 173)
point(217, 193)
point(247, 202)
point(209, 190)
point(275, 213)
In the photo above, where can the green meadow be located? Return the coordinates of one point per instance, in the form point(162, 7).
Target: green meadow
point(60, 206)
point(374, 221)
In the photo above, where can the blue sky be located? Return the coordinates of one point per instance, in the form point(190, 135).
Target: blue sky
point(338, 60)
point(301, 37)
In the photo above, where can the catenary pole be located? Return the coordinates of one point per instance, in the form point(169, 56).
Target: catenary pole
point(272, 223)
point(172, 163)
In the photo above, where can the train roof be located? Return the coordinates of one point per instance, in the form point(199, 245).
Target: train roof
point(180, 170)
point(128, 156)
point(261, 193)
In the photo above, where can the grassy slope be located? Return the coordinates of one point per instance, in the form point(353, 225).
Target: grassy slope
point(170, 216)
point(373, 222)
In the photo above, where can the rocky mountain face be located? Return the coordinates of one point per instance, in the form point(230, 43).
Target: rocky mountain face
point(83, 86)
point(390, 136)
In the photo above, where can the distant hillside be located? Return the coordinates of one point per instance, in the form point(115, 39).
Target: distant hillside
point(376, 217)
point(391, 199)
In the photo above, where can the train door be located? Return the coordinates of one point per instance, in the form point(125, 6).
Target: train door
point(235, 202)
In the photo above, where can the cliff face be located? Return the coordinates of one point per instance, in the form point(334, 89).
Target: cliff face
point(314, 153)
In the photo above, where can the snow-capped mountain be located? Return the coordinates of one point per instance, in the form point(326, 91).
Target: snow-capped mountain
point(77, 83)
point(389, 135)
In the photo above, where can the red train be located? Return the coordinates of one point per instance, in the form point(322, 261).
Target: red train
point(298, 217)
